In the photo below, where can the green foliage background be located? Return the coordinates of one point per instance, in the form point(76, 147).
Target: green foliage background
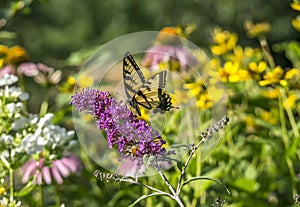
point(52, 30)
point(55, 28)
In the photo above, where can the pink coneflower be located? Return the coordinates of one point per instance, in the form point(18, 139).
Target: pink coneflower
point(57, 170)
point(8, 69)
point(169, 49)
point(28, 69)
point(169, 54)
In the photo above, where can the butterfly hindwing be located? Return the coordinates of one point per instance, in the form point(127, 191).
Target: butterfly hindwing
point(148, 94)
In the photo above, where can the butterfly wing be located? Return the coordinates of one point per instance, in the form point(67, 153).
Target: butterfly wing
point(152, 96)
point(132, 76)
point(140, 92)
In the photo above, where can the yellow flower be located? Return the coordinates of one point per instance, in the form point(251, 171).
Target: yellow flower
point(225, 41)
point(295, 5)
point(296, 23)
point(291, 73)
point(261, 67)
point(16, 54)
point(255, 30)
point(193, 88)
point(274, 76)
point(3, 50)
point(220, 36)
point(1, 62)
point(203, 96)
point(250, 123)
point(271, 93)
point(2, 190)
point(186, 30)
point(290, 101)
point(250, 52)
point(168, 36)
point(232, 73)
point(269, 116)
point(204, 101)
point(71, 80)
point(84, 80)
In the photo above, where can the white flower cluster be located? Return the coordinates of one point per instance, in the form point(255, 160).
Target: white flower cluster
point(22, 133)
point(46, 135)
point(6, 202)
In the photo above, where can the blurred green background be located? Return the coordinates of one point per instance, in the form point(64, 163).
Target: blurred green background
point(51, 30)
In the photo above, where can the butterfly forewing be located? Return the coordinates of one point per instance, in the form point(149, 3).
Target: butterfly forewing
point(132, 76)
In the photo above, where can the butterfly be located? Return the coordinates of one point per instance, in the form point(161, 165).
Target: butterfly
point(146, 93)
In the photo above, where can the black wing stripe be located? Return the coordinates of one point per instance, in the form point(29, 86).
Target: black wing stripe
point(132, 67)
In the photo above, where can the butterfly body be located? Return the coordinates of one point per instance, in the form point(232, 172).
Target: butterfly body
point(148, 94)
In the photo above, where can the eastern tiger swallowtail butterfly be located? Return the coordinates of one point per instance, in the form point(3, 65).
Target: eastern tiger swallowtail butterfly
point(141, 92)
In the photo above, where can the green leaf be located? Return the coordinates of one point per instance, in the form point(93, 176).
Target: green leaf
point(247, 185)
point(292, 51)
point(25, 190)
point(179, 166)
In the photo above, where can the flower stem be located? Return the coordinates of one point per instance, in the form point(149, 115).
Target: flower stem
point(186, 164)
point(290, 114)
point(57, 197)
point(39, 193)
point(11, 186)
point(175, 195)
point(11, 177)
point(286, 141)
point(266, 50)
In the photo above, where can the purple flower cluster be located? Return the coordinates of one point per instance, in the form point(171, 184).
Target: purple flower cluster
point(132, 136)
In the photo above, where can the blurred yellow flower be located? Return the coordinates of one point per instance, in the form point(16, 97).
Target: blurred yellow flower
point(291, 73)
point(197, 90)
point(71, 80)
point(269, 116)
point(1, 62)
point(16, 54)
point(205, 96)
point(84, 80)
point(274, 76)
point(225, 41)
point(250, 123)
point(193, 88)
point(255, 30)
point(185, 31)
point(232, 73)
point(290, 102)
point(295, 5)
point(296, 23)
point(204, 101)
point(168, 36)
point(3, 50)
point(2, 190)
point(250, 52)
point(271, 93)
point(261, 67)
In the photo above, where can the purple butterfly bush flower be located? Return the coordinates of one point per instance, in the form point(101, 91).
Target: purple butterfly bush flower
point(46, 173)
point(133, 137)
